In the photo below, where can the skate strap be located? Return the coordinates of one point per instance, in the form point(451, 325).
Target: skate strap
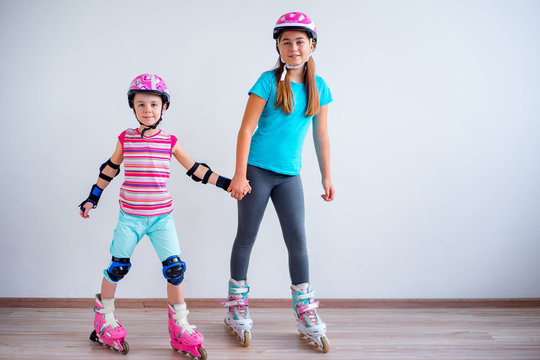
point(305, 308)
point(111, 322)
point(309, 295)
point(107, 310)
point(181, 320)
point(186, 327)
point(241, 290)
point(235, 302)
point(180, 315)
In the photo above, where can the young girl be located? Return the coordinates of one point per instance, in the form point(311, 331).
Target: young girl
point(146, 209)
point(281, 106)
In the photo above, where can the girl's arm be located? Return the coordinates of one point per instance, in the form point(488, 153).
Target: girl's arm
point(117, 158)
point(254, 109)
point(322, 147)
point(187, 162)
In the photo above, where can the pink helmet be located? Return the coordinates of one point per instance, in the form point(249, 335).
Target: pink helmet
point(148, 83)
point(295, 21)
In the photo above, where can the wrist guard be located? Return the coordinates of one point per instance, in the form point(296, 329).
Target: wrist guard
point(95, 194)
point(223, 182)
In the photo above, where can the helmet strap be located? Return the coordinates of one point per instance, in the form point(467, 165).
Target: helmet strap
point(287, 66)
point(148, 127)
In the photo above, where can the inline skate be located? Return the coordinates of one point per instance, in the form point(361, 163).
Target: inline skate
point(184, 337)
point(108, 331)
point(310, 325)
point(238, 317)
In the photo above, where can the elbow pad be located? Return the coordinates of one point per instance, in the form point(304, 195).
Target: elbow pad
point(112, 165)
point(194, 168)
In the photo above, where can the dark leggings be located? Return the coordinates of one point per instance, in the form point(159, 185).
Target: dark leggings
point(287, 196)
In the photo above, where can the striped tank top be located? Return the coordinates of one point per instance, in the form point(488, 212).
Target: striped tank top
point(146, 167)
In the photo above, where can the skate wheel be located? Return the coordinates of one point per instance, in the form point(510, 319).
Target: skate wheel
point(202, 351)
point(125, 345)
point(93, 336)
point(325, 345)
point(247, 338)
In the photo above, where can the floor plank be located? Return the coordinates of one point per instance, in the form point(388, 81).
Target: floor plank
point(442, 334)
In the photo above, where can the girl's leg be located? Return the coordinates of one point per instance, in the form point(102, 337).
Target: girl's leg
point(127, 234)
point(288, 199)
point(175, 293)
point(108, 289)
point(164, 237)
point(250, 213)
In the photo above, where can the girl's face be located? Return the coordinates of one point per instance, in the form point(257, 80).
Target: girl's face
point(294, 47)
point(147, 108)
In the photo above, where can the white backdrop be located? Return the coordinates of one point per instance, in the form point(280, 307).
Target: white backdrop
point(435, 133)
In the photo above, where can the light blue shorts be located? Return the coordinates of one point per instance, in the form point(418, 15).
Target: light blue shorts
point(131, 229)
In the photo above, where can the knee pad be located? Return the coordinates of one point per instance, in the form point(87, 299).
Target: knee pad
point(173, 269)
point(119, 268)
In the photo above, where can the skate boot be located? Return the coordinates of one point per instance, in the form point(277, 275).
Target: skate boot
point(184, 337)
point(107, 330)
point(310, 325)
point(238, 317)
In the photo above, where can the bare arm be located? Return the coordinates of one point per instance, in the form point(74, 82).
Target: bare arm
point(116, 158)
point(254, 109)
point(187, 162)
point(322, 148)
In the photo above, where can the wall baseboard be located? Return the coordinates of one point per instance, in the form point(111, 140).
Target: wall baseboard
point(7, 302)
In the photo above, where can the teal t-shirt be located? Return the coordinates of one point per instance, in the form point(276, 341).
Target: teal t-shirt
point(277, 143)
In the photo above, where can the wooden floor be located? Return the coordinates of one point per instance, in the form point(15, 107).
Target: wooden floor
point(441, 334)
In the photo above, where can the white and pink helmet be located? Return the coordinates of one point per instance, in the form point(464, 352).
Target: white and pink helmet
point(295, 21)
point(149, 83)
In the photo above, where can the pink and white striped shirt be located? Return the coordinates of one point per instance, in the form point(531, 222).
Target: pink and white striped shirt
point(147, 167)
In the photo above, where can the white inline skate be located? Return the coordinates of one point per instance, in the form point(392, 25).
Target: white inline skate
point(238, 317)
point(310, 325)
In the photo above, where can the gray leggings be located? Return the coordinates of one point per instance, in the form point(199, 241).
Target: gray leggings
point(287, 196)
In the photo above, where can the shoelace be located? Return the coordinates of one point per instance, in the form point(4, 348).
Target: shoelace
point(312, 316)
point(241, 309)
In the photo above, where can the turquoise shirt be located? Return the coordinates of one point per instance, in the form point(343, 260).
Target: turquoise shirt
point(278, 141)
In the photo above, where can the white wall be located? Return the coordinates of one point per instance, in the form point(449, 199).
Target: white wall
point(435, 133)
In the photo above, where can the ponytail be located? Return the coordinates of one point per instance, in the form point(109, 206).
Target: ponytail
point(284, 96)
point(311, 86)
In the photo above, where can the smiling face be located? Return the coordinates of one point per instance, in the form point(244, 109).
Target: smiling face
point(294, 47)
point(148, 108)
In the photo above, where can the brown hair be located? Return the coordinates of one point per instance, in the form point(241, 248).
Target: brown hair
point(284, 96)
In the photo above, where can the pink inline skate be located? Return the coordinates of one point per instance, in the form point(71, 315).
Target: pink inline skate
point(107, 329)
point(184, 337)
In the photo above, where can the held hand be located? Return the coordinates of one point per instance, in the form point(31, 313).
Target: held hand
point(87, 207)
point(328, 190)
point(239, 187)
